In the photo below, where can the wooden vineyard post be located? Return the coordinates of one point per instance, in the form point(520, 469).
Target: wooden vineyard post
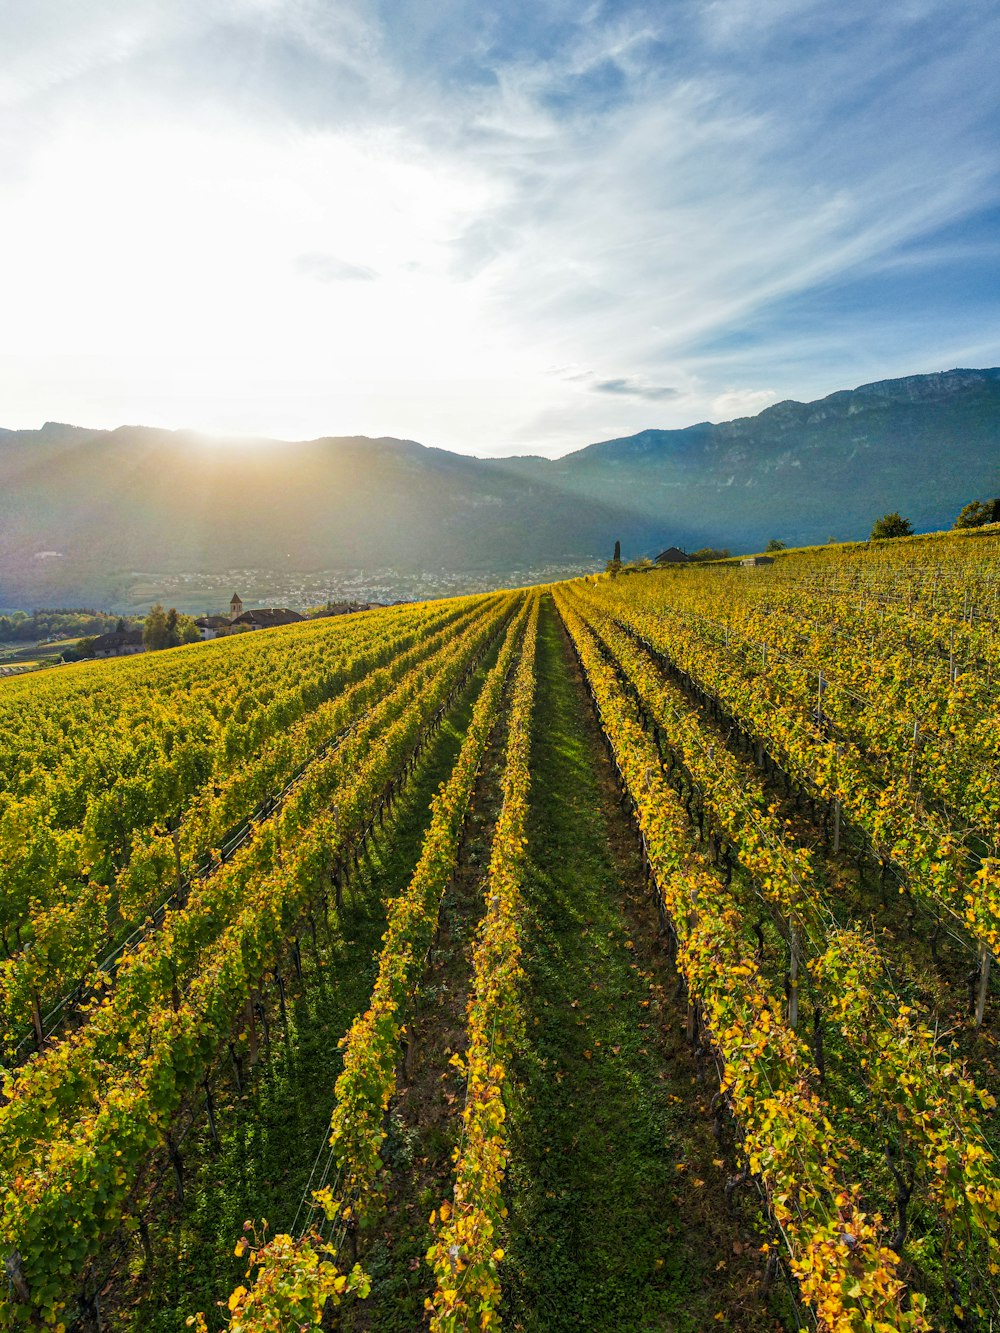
point(210, 1109)
point(36, 1020)
point(177, 1162)
point(984, 984)
point(237, 1067)
point(147, 1249)
point(15, 1276)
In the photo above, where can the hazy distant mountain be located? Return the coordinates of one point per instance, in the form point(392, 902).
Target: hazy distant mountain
point(807, 471)
point(79, 509)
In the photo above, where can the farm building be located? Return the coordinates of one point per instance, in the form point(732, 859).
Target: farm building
point(265, 618)
point(120, 643)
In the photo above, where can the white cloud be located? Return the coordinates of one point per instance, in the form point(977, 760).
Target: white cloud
point(198, 199)
point(50, 43)
point(329, 268)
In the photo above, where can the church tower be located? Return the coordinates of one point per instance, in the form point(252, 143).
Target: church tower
point(235, 606)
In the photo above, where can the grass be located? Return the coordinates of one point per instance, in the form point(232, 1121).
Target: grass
point(33, 656)
point(615, 1216)
point(34, 652)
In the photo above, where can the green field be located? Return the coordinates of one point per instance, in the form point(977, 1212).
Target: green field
point(33, 655)
point(616, 955)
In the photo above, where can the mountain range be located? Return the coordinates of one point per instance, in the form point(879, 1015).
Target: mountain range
point(82, 510)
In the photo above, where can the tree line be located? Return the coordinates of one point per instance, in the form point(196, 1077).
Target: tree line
point(56, 623)
point(976, 514)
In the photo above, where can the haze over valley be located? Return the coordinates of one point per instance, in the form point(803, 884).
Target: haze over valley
point(126, 516)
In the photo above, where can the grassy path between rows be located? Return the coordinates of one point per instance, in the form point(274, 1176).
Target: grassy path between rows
point(617, 1220)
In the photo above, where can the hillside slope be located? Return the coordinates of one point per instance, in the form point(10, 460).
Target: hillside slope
point(805, 471)
point(137, 498)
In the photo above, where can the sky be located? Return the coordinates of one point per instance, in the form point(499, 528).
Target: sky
point(507, 228)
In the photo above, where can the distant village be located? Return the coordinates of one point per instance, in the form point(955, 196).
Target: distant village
point(215, 627)
point(127, 642)
point(53, 643)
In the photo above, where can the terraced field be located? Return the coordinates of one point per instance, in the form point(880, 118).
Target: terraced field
point(617, 955)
